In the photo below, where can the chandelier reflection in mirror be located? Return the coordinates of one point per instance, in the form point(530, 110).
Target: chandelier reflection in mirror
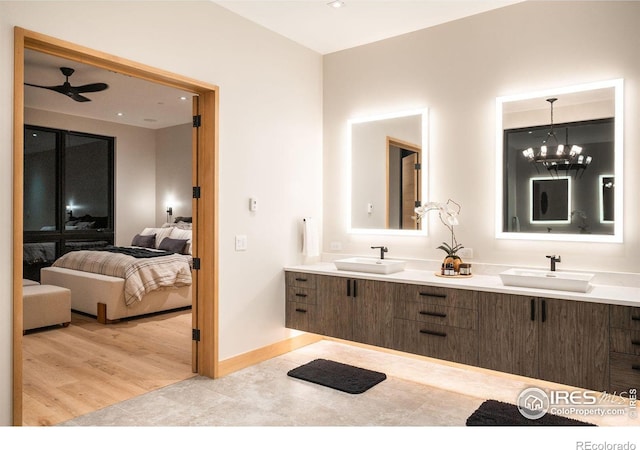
point(557, 157)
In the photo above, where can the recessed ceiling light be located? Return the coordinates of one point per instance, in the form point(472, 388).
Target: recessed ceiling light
point(336, 4)
point(119, 114)
point(183, 98)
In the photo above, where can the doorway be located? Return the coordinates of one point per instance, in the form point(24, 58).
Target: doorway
point(204, 207)
point(403, 184)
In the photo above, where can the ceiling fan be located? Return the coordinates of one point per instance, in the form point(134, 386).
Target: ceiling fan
point(73, 92)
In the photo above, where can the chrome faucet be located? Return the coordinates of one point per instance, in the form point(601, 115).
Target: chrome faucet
point(553, 259)
point(383, 250)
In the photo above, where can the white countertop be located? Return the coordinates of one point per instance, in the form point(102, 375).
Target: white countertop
point(598, 293)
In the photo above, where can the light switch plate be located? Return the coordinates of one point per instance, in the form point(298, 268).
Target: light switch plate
point(241, 242)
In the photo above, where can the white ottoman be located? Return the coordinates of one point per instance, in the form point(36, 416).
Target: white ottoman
point(45, 305)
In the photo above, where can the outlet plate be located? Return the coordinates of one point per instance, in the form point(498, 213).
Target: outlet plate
point(465, 253)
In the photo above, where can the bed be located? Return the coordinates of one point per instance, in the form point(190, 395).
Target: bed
point(115, 283)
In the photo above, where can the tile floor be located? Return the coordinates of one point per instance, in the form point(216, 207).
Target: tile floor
point(417, 393)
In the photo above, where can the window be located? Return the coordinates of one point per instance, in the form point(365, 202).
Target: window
point(68, 194)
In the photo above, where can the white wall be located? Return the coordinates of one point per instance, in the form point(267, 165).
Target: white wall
point(173, 172)
point(134, 171)
point(270, 142)
point(457, 70)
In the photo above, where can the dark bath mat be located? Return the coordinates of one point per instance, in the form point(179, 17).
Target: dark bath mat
point(343, 377)
point(495, 413)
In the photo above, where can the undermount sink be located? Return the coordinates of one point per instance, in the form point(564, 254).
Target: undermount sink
point(546, 279)
point(370, 265)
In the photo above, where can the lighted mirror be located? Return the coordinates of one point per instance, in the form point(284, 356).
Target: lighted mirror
point(556, 152)
point(387, 172)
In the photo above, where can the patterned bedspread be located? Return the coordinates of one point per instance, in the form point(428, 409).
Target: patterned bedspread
point(141, 275)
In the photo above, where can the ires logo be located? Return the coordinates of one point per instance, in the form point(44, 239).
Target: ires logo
point(559, 398)
point(533, 403)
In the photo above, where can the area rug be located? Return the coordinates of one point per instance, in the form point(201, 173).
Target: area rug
point(495, 413)
point(335, 375)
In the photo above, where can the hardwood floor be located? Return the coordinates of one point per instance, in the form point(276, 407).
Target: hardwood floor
point(88, 366)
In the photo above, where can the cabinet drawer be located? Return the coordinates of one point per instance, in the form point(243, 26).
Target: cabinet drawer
point(625, 341)
point(437, 341)
point(625, 317)
point(300, 279)
point(298, 315)
point(436, 296)
point(428, 311)
point(301, 295)
point(624, 372)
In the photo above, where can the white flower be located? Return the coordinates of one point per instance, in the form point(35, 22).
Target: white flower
point(448, 213)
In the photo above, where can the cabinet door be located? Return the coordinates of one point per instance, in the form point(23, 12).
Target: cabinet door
point(372, 313)
point(508, 333)
point(334, 306)
point(574, 343)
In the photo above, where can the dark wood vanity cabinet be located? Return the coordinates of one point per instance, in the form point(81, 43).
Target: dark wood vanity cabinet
point(624, 348)
point(346, 308)
point(589, 345)
point(436, 322)
point(565, 341)
point(300, 308)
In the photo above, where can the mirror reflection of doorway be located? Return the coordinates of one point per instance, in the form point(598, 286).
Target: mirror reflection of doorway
point(607, 198)
point(403, 184)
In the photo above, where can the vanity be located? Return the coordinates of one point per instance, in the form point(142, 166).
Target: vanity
point(589, 340)
point(564, 188)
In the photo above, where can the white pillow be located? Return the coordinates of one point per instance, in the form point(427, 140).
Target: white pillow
point(177, 233)
point(160, 233)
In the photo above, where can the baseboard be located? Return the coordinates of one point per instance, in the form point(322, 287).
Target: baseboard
point(239, 362)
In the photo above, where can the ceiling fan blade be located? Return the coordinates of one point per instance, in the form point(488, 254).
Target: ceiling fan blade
point(94, 87)
point(51, 88)
point(78, 97)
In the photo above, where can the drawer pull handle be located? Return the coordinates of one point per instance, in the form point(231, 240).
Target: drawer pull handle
point(301, 310)
point(635, 342)
point(427, 294)
point(635, 367)
point(433, 333)
point(533, 309)
point(434, 314)
point(301, 279)
point(301, 295)
point(635, 317)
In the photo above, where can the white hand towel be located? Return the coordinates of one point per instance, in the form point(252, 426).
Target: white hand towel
point(310, 240)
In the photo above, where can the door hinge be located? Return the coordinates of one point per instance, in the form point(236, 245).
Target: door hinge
point(418, 203)
point(196, 192)
point(418, 166)
point(195, 335)
point(196, 263)
point(197, 121)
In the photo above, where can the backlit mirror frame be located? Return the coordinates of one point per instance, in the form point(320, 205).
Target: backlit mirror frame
point(424, 113)
point(617, 235)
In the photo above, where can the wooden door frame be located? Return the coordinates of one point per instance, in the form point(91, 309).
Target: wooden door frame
point(391, 141)
point(205, 214)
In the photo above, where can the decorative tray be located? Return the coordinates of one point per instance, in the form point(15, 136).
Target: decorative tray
point(452, 276)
